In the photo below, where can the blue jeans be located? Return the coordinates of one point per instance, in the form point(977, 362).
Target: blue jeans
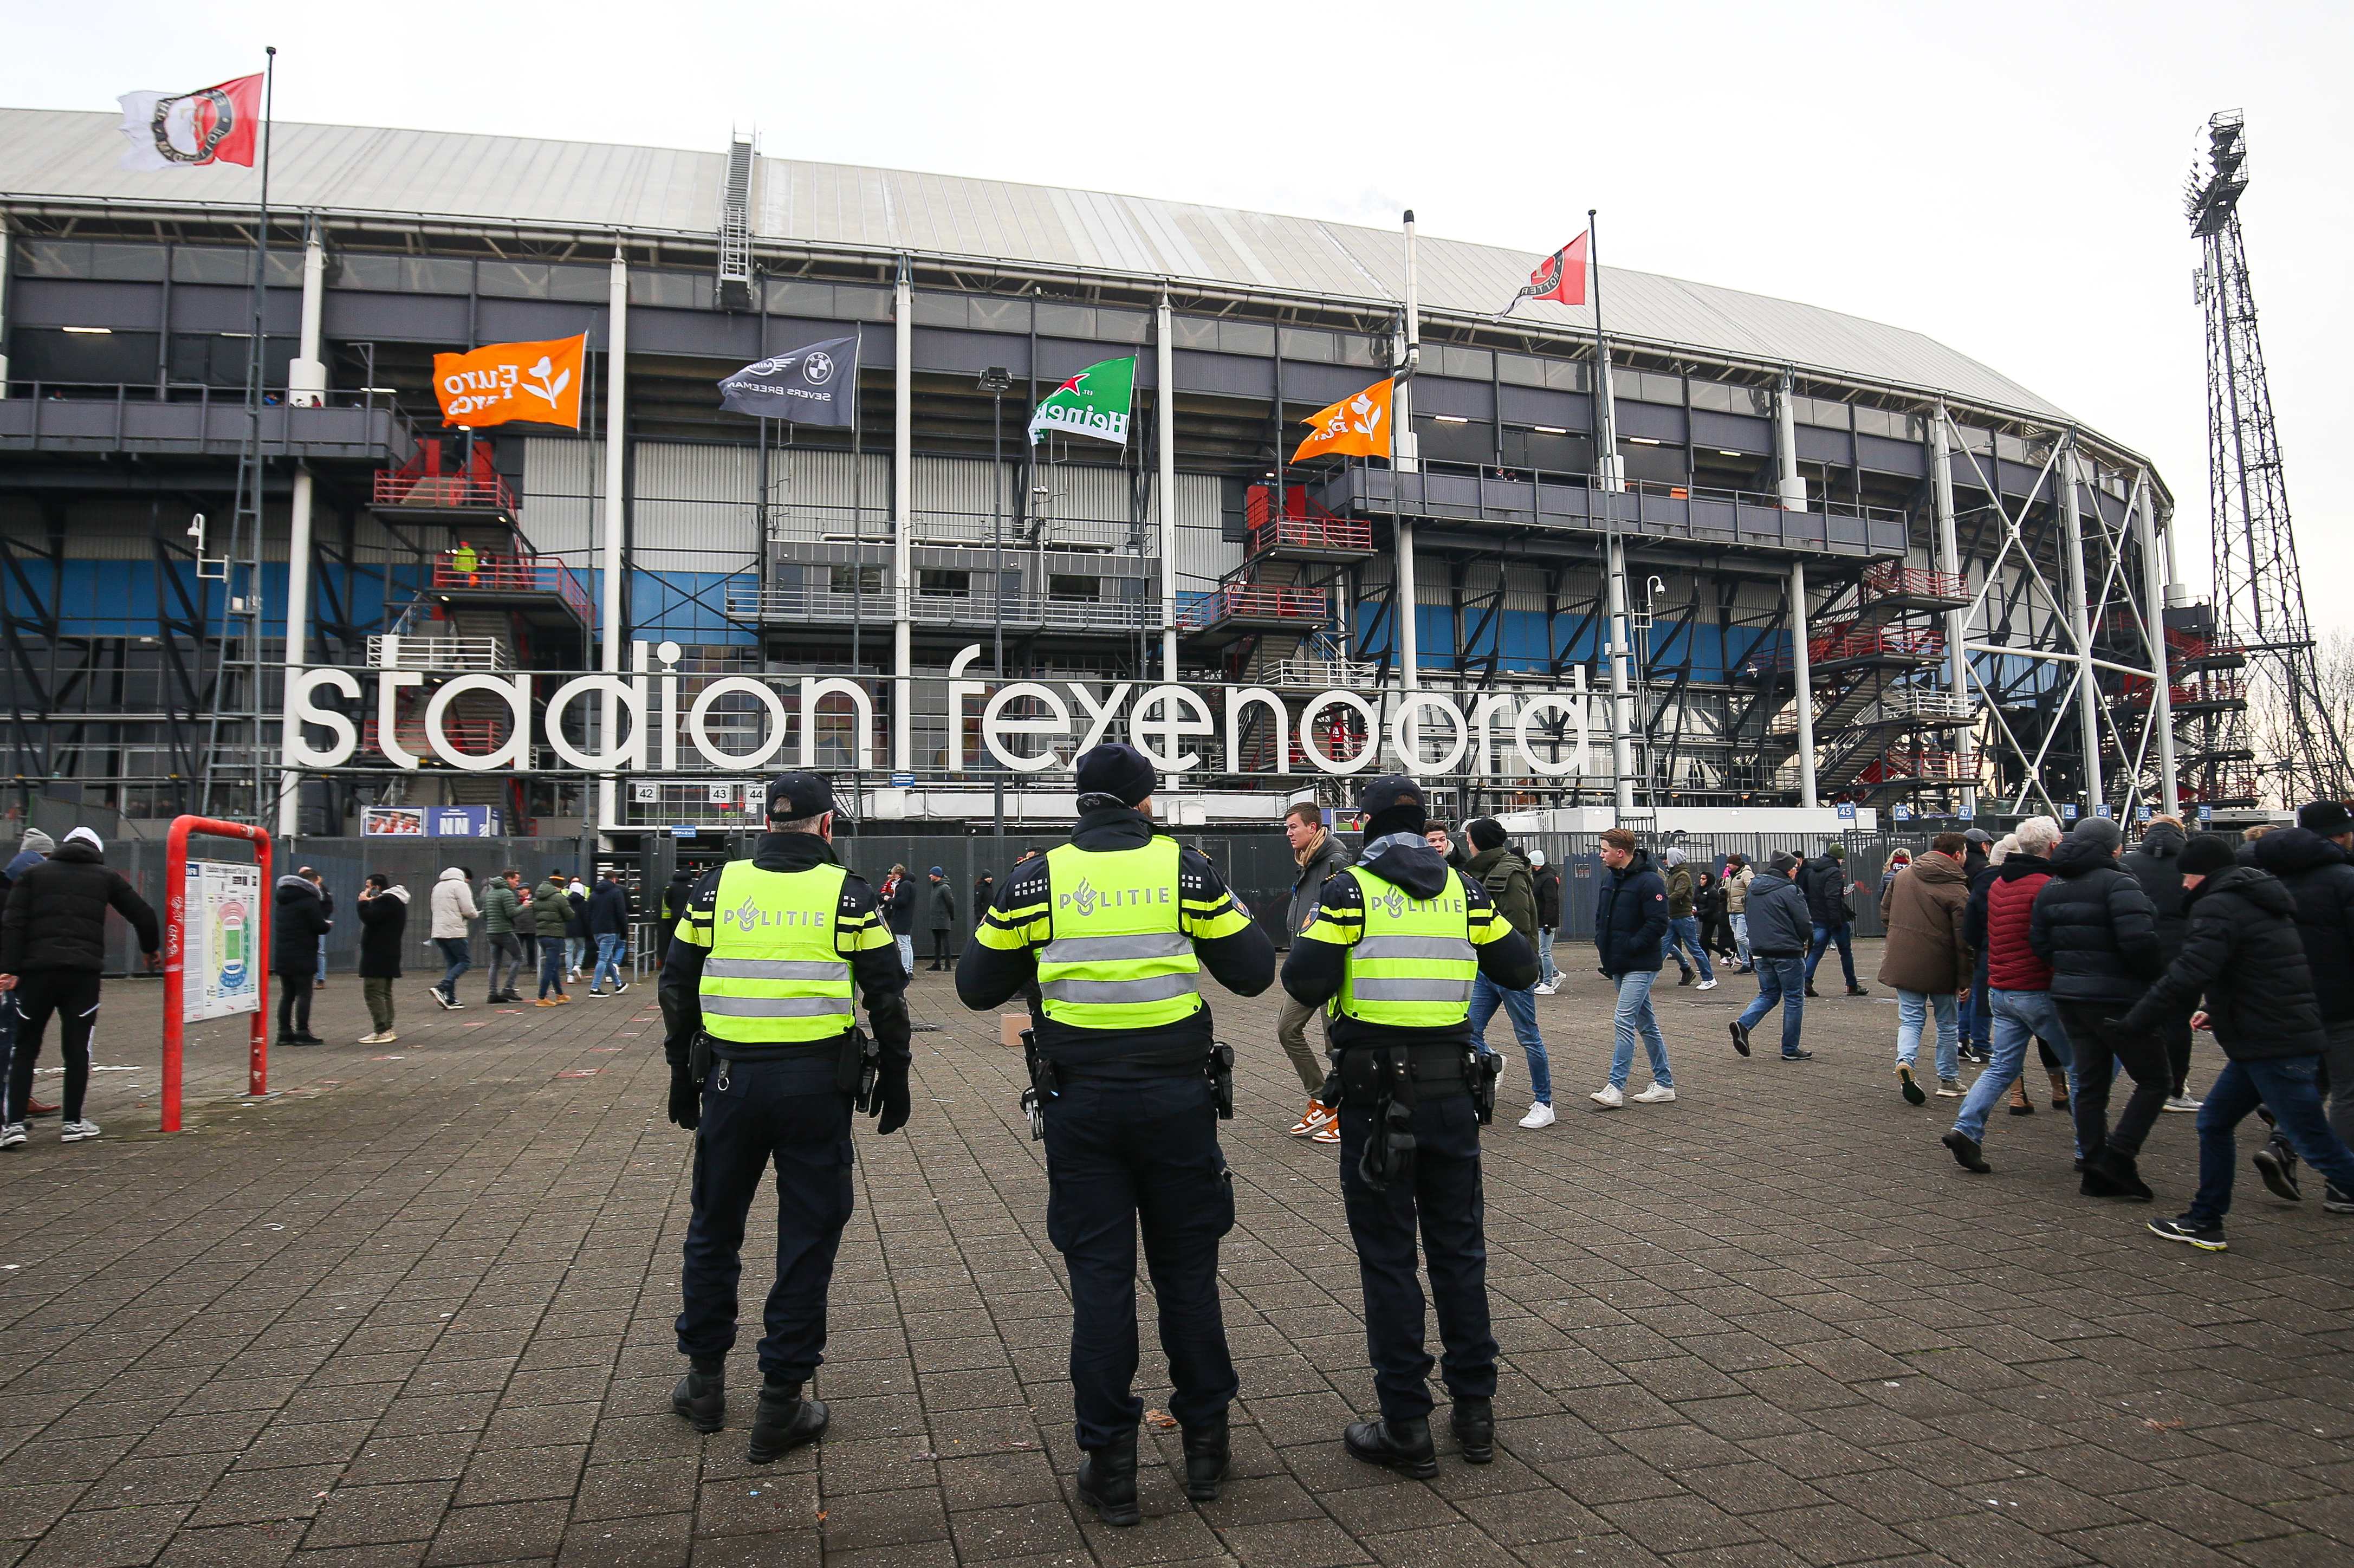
point(608, 959)
point(1486, 996)
point(551, 966)
point(1683, 933)
point(2020, 1016)
point(1783, 981)
point(1544, 957)
point(2286, 1087)
point(458, 954)
point(1913, 1010)
point(1634, 1016)
point(322, 962)
point(1823, 937)
point(1740, 919)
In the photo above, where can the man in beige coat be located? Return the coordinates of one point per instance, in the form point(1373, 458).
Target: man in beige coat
point(1927, 960)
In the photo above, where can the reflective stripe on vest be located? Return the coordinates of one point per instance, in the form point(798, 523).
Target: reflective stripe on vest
point(774, 974)
point(1119, 957)
point(1413, 964)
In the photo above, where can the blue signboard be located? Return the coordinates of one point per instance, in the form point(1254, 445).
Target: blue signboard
point(2100, 811)
point(2067, 813)
point(1902, 813)
point(684, 831)
point(2206, 814)
point(464, 821)
point(1847, 813)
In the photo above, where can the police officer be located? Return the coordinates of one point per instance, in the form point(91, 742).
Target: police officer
point(765, 1064)
point(1114, 930)
point(1392, 947)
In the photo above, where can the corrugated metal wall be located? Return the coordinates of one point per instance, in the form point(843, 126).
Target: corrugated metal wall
point(694, 508)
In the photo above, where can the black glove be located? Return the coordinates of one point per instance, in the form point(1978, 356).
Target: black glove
point(890, 1103)
point(685, 1099)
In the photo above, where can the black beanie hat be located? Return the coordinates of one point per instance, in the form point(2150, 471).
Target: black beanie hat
point(1116, 770)
point(1485, 833)
point(2207, 854)
point(2327, 818)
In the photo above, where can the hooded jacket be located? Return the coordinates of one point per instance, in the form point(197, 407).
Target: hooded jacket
point(56, 914)
point(2096, 929)
point(1680, 890)
point(1546, 880)
point(2002, 905)
point(2156, 866)
point(551, 908)
point(575, 908)
point(452, 903)
point(502, 908)
point(1324, 862)
point(1923, 911)
point(899, 904)
point(2242, 955)
point(384, 920)
point(1824, 880)
point(1630, 917)
point(1780, 924)
point(2321, 878)
point(940, 898)
point(30, 852)
point(609, 909)
point(1737, 879)
point(298, 918)
point(1505, 875)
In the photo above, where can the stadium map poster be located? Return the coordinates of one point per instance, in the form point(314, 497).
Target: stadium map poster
point(223, 972)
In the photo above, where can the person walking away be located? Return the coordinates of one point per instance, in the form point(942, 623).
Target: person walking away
point(33, 849)
point(551, 910)
point(675, 893)
point(502, 912)
point(2097, 929)
point(1977, 1023)
point(577, 946)
point(941, 901)
point(298, 923)
point(608, 926)
point(1738, 874)
point(767, 1066)
point(1683, 924)
point(1927, 960)
point(52, 950)
point(384, 927)
point(1708, 908)
point(1393, 951)
point(1114, 928)
point(1316, 852)
point(1631, 929)
point(1546, 877)
point(2157, 864)
point(1505, 876)
point(984, 892)
point(2018, 980)
point(1827, 886)
point(1779, 930)
point(2243, 958)
point(2314, 862)
point(453, 905)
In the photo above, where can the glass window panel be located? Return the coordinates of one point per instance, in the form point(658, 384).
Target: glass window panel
point(1245, 337)
point(513, 279)
point(52, 258)
point(370, 273)
point(1470, 363)
point(941, 310)
point(1063, 585)
point(1123, 326)
point(132, 263)
point(1819, 412)
point(1520, 369)
point(673, 290)
point(1192, 331)
point(1568, 376)
point(853, 303)
point(1306, 344)
point(1712, 394)
point(1355, 348)
point(213, 264)
point(796, 297)
point(987, 315)
point(944, 584)
point(1066, 320)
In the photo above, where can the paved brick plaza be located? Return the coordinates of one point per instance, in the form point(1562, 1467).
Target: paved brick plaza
point(417, 1311)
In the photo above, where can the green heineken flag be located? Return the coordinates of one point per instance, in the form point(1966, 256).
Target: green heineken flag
point(1092, 403)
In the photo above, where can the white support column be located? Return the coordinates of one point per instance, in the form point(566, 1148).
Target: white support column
point(1622, 703)
point(1949, 560)
point(2153, 594)
point(1406, 458)
point(1785, 443)
point(4, 304)
point(612, 636)
point(306, 384)
point(2088, 691)
point(1802, 670)
point(1165, 409)
point(903, 518)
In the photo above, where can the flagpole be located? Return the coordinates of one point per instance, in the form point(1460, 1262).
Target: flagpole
point(1605, 439)
point(857, 571)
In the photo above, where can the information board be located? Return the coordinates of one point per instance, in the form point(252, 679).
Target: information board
point(221, 972)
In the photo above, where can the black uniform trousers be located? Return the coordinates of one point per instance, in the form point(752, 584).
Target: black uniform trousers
point(1118, 1154)
point(72, 996)
point(755, 1114)
point(2098, 1049)
point(1445, 1200)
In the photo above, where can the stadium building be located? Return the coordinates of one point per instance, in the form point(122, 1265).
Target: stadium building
point(1843, 562)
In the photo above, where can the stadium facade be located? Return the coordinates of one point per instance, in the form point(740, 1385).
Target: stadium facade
point(1843, 563)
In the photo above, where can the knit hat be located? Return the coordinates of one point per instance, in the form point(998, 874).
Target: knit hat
point(1783, 863)
point(2207, 854)
point(935, 871)
point(89, 837)
point(38, 841)
point(1115, 770)
point(2327, 818)
point(1673, 857)
point(1536, 857)
point(2101, 831)
point(1485, 833)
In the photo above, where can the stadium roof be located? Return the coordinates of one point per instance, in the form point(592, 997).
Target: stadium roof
point(594, 186)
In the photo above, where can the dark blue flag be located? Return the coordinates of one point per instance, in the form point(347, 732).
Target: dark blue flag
point(815, 385)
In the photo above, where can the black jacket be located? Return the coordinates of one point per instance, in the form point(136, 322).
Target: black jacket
point(881, 981)
point(987, 977)
point(1307, 883)
point(2095, 927)
point(985, 889)
point(609, 909)
point(1630, 917)
point(1824, 881)
point(1314, 970)
point(2156, 866)
point(2321, 878)
point(56, 914)
point(1548, 885)
point(2242, 955)
point(384, 921)
point(298, 918)
point(902, 912)
point(1780, 923)
point(940, 899)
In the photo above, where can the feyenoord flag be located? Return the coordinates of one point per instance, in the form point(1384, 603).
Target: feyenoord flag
point(219, 124)
point(1560, 276)
point(1093, 403)
point(810, 386)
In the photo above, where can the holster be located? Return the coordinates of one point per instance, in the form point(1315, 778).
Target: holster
point(1042, 1084)
point(1390, 1145)
point(1480, 1071)
point(1221, 1069)
point(861, 1062)
point(698, 1057)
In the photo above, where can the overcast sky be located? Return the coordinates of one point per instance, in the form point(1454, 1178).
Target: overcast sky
point(2005, 177)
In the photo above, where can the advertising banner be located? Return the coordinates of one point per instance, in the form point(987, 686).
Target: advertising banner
point(464, 821)
point(222, 973)
point(811, 386)
point(536, 381)
point(430, 822)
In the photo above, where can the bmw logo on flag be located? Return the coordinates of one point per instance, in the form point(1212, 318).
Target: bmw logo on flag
point(818, 369)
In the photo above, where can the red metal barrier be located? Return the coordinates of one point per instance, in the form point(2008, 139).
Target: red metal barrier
point(175, 912)
point(518, 573)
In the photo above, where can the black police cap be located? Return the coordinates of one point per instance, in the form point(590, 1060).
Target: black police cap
point(1116, 770)
point(793, 796)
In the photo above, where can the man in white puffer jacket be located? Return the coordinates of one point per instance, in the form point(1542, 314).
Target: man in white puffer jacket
point(453, 905)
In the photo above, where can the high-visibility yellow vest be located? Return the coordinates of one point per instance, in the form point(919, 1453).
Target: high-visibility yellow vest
point(1413, 964)
point(775, 973)
point(1117, 955)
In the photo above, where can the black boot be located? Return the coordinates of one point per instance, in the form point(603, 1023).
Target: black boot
point(2108, 1174)
point(784, 1420)
point(1402, 1446)
point(1206, 1452)
point(1108, 1480)
point(701, 1395)
point(1475, 1427)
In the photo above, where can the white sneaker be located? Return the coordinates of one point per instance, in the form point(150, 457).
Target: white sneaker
point(1539, 1115)
point(386, 1038)
point(1656, 1095)
point(12, 1136)
point(2183, 1102)
point(1609, 1096)
point(74, 1131)
point(1705, 985)
point(1545, 988)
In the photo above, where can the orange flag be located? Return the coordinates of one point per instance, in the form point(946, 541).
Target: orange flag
point(535, 381)
point(1358, 425)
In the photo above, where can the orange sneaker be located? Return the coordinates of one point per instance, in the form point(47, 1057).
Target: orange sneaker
point(1329, 1132)
point(1314, 1120)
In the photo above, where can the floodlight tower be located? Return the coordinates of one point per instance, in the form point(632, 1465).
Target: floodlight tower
point(2259, 588)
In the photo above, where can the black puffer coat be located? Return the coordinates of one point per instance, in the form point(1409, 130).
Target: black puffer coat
point(1824, 880)
point(56, 915)
point(383, 920)
point(298, 918)
point(2241, 954)
point(1630, 917)
point(2158, 866)
point(2321, 879)
point(2095, 927)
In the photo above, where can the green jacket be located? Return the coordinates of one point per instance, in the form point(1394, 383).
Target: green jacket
point(1680, 892)
point(1506, 878)
point(502, 908)
point(551, 907)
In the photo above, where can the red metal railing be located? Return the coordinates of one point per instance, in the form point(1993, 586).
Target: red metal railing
point(2228, 787)
point(515, 574)
point(488, 493)
point(1848, 641)
point(1891, 579)
point(1231, 600)
point(1309, 534)
point(478, 737)
point(1950, 766)
point(2135, 689)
